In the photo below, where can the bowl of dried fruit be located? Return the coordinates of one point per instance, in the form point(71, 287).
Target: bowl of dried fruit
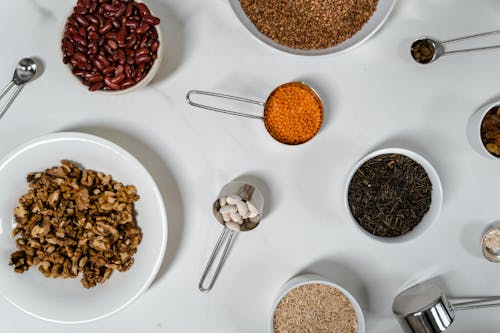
point(112, 46)
point(311, 303)
point(83, 229)
point(312, 28)
point(483, 130)
point(393, 195)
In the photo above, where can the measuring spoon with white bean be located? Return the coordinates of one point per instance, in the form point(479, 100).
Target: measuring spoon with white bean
point(238, 208)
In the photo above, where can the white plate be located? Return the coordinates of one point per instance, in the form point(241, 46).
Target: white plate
point(384, 9)
point(65, 300)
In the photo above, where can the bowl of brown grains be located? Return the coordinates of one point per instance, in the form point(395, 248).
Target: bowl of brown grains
point(311, 303)
point(312, 28)
point(393, 195)
point(483, 130)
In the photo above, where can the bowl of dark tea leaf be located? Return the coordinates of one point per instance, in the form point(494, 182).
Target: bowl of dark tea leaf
point(393, 195)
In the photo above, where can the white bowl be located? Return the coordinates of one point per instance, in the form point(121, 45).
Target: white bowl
point(316, 279)
point(474, 130)
point(384, 9)
point(144, 82)
point(436, 201)
point(66, 300)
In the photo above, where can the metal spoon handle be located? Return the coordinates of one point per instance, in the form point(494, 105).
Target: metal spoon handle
point(486, 302)
point(6, 89)
point(483, 34)
point(471, 50)
point(11, 98)
point(225, 237)
point(212, 108)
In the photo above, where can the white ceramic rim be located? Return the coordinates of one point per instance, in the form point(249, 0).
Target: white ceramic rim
point(474, 130)
point(316, 279)
point(310, 53)
point(429, 218)
point(62, 136)
point(144, 82)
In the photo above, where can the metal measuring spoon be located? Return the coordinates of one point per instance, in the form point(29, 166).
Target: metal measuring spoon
point(246, 192)
point(490, 254)
point(424, 308)
point(25, 71)
point(426, 50)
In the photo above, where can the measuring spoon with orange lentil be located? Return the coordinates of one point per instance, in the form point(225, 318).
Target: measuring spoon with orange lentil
point(293, 112)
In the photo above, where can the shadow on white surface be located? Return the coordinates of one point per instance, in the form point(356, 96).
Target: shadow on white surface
point(164, 179)
point(172, 29)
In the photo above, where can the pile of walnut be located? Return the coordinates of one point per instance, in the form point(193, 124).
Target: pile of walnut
point(73, 221)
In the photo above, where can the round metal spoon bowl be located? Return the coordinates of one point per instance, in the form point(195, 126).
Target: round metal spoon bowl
point(488, 253)
point(426, 50)
point(25, 71)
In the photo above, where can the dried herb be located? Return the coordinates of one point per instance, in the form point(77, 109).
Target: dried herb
point(389, 195)
point(490, 131)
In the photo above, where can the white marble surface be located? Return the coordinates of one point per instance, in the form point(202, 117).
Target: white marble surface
point(374, 96)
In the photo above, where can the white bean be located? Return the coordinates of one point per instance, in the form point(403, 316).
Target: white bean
point(253, 212)
point(235, 217)
point(227, 209)
point(233, 226)
point(242, 209)
point(222, 201)
point(233, 199)
point(226, 217)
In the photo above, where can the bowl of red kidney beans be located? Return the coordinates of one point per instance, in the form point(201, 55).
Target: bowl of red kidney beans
point(112, 46)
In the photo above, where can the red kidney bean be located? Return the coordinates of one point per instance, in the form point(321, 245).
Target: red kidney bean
point(141, 51)
point(130, 61)
point(101, 19)
point(132, 24)
point(93, 7)
point(108, 70)
point(120, 56)
point(81, 20)
point(92, 19)
point(128, 71)
point(80, 48)
point(72, 29)
point(105, 28)
point(111, 35)
point(79, 72)
point(143, 9)
point(108, 7)
point(110, 84)
point(92, 27)
point(68, 47)
point(112, 44)
point(102, 39)
point(121, 10)
point(79, 57)
point(143, 28)
point(119, 69)
point(131, 42)
point(142, 59)
point(93, 35)
point(82, 32)
point(151, 20)
point(119, 78)
point(154, 47)
point(130, 9)
point(120, 37)
point(127, 84)
point(80, 10)
point(80, 40)
point(108, 50)
point(95, 78)
point(103, 59)
point(115, 23)
point(96, 86)
point(99, 64)
point(153, 33)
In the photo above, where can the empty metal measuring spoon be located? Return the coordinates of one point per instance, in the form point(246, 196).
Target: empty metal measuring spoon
point(424, 308)
point(426, 50)
point(25, 71)
point(247, 193)
point(490, 243)
point(267, 115)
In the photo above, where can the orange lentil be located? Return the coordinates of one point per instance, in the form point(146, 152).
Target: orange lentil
point(293, 113)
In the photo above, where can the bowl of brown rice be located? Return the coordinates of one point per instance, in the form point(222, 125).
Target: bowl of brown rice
point(311, 303)
point(312, 28)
